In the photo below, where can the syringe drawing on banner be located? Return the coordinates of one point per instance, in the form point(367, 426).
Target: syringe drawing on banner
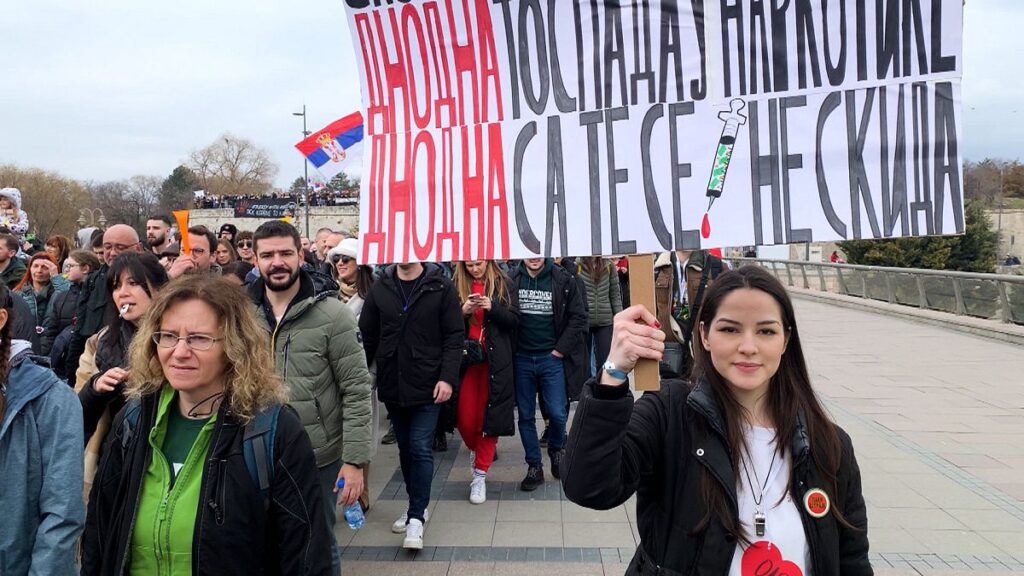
point(733, 119)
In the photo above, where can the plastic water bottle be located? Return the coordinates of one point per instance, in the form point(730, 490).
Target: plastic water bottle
point(354, 513)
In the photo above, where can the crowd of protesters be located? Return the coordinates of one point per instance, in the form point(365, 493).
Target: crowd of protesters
point(216, 398)
point(317, 198)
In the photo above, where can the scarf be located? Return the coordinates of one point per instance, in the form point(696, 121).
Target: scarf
point(346, 291)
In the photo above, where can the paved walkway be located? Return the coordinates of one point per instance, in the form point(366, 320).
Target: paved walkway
point(936, 416)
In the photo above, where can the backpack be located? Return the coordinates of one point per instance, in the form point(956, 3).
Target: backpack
point(259, 459)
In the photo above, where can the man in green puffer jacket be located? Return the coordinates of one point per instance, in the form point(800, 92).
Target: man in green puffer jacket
point(319, 355)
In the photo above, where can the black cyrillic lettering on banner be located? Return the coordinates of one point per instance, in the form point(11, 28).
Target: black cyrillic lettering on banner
point(791, 162)
point(580, 77)
point(856, 139)
point(699, 86)
point(616, 176)
point(764, 170)
point(595, 26)
point(536, 102)
point(922, 161)
point(642, 71)
point(510, 43)
point(591, 120)
point(836, 70)
point(614, 55)
point(946, 164)
point(671, 46)
point(887, 38)
point(780, 46)
point(729, 12)
point(912, 19)
point(759, 36)
point(940, 63)
point(650, 192)
point(894, 191)
point(563, 101)
point(522, 222)
point(806, 45)
point(832, 101)
point(684, 239)
point(556, 188)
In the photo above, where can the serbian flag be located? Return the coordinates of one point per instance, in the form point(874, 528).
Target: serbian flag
point(337, 148)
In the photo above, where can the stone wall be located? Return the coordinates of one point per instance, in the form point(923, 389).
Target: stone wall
point(334, 217)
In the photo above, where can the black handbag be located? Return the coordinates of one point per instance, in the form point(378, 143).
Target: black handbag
point(472, 352)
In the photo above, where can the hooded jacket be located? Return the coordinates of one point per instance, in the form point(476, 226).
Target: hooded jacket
point(658, 449)
point(568, 306)
point(233, 533)
point(415, 344)
point(40, 471)
point(41, 340)
point(18, 223)
point(317, 352)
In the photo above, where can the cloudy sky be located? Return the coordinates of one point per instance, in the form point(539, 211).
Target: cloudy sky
point(113, 88)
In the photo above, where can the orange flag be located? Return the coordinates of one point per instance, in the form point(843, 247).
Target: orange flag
point(182, 217)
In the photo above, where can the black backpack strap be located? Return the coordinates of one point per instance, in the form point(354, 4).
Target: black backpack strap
point(258, 449)
point(132, 411)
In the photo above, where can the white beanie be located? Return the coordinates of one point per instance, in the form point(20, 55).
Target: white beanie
point(347, 247)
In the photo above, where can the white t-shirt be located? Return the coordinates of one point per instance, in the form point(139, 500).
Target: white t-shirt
point(783, 550)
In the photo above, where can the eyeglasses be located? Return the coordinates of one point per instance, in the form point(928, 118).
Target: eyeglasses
point(245, 243)
point(200, 342)
point(343, 259)
point(120, 247)
point(198, 251)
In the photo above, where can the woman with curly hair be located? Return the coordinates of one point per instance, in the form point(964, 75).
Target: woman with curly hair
point(175, 465)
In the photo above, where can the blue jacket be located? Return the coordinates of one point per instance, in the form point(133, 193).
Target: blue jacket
point(40, 471)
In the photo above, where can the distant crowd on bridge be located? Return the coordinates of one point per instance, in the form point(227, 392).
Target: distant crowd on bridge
point(318, 198)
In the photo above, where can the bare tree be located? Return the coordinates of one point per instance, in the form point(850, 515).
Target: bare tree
point(233, 166)
point(127, 201)
point(51, 200)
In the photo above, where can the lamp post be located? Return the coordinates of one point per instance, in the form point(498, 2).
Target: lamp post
point(305, 165)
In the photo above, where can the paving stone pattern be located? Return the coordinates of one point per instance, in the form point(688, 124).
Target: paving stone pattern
point(937, 421)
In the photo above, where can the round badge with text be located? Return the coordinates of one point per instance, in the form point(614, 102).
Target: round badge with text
point(816, 502)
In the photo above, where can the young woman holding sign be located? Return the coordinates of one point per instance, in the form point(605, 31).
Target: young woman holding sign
point(742, 472)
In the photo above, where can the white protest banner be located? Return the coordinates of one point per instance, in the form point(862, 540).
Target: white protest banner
point(515, 128)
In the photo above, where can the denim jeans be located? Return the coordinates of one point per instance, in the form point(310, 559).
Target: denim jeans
point(328, 479)
point(414, 431)
point(542, 373)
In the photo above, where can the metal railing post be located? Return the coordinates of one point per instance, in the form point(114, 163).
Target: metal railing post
point(864, 286)
point(789, 274)
point(889, 292)
point(842, 282)
point(922, 297)
point(821, 278)
point(1005, 313)
point(958, 291)
point(803, 272)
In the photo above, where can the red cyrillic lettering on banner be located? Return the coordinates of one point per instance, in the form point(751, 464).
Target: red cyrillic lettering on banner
point(473, 191)
point(496, 194)
point(465, 62)
point(488, 61)
point(422, 251)
point(375, 233)
point(400, 194)
point(445, 99)
point(394, 71)
point(424, 87)
point(449, 232)
point(377, 106)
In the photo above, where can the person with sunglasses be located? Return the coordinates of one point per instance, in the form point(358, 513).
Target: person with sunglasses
point(173, 494)
point(243, 244)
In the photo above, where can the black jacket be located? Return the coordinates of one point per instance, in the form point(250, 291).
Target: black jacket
point(111, 352)
point(572, 324)
point(95, 310)
point(65, 306)
point(658, 448)
point(233, 533)
point(500, 338)
point(414, 348)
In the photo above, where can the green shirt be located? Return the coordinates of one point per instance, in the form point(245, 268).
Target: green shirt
point(165, 521)
point(181, 436)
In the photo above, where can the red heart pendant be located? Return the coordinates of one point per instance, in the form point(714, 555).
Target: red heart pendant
point(764, 559)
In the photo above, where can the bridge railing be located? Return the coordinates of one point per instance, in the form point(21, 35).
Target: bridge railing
point(992, 296)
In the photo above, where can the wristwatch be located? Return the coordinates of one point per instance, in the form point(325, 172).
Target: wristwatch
point(611, 370)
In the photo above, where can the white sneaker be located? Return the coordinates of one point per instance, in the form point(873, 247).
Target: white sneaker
point(478, 490)
point(399, 526)
point(413, 535)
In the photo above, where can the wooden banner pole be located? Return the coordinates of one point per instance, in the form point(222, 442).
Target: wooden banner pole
point(646, 375)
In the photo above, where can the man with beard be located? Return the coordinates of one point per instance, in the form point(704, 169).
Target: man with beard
point(199, 258)
point(158, 233)
point(316, 344)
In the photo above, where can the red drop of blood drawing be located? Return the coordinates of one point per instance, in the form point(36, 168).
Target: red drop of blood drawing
point(705, 226)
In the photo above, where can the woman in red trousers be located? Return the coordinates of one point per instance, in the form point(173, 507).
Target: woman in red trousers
point(486, 401)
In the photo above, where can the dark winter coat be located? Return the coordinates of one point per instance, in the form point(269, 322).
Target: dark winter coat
point(568, 306)
point(233, 533)
point(500, 338)
point(65, 305)
point(95, 310)
point(111, 352)
point(658, 449)
point(415, 348)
